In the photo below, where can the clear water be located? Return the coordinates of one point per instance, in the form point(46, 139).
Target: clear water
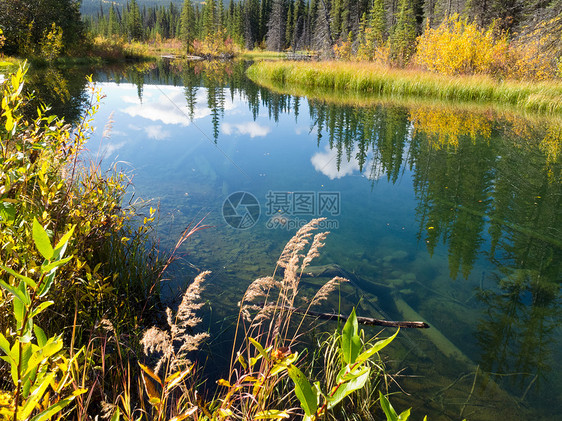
point(447, 215)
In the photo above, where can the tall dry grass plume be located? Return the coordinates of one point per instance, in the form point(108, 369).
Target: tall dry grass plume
point(174, 344)
point(274, 299)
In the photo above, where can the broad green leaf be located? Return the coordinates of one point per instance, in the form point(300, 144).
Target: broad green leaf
point(272, 414)
point(42, 241)
point(16, 293)
point(387, 408)
point(53, 345)
point(36, 396)
point(7, 212)
point(19, 313)
point(41, 307)
point(21, 277)
point(60, 248)
point(347, 372)
point(4, 344)
point(25, 356)
point(375, 348)
point(304, 391)
point(348, 387)
point(46, 285)
point(48, 413)
point(350, 341)
point(46, 268)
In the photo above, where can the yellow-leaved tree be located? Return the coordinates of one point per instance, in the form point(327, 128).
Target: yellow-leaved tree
point(459, 47)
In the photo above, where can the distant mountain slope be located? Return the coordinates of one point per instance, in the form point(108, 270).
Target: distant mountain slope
point(92, 7)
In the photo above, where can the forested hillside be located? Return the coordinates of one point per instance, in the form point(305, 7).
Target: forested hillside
point(93, 7)
point(512, 31)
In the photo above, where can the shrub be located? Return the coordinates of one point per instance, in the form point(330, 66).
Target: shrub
point(533, 54)
point(459, 47)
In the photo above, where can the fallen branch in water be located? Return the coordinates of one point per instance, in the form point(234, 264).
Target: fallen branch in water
point(369, 321)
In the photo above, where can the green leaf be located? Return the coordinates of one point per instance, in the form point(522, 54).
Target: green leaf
point(4, 344)
point(350, 341)
point(7, 212)
point(357, 382)
point(259, 348)
point(15, 292)
point(46, 268)
point(46, 285)
point(54, 409)
point(36, 396)
point(116, 414)
point(271, 414)
point(387, 408)
point(304, 391)
point(60, 248)
point(27, 280)
point(41, 307)
point(405, 415)
point(42, 241)
point(375, 348)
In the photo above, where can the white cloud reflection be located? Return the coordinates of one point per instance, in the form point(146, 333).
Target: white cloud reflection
point(250, 128)
point(168, 105)
point(157, 132)
point(327, 163)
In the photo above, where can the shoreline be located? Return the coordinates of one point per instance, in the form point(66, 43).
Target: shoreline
point(369, 80)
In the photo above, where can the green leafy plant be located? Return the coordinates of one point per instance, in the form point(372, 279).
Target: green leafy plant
point(40, 371)
point(352, 376)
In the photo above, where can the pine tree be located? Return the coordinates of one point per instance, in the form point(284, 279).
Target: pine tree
point(209, 18)
point(404, 35)
point(134, 25)
point(187, 24)
point(112, 25)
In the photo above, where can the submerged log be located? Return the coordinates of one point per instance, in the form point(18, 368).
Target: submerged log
point(369, 321)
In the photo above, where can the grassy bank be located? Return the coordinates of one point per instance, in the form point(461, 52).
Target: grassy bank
point(363, 78)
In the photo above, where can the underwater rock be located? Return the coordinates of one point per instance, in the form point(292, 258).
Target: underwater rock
point(396, 282)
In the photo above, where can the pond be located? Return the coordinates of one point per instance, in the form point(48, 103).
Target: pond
point(453, 212)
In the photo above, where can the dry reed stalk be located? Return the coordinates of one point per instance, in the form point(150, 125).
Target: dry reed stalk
point(174, 344)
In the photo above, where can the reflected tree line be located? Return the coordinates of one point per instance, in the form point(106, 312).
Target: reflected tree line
point(485, 183)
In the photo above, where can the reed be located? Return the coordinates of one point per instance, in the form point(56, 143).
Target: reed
point(371, 79)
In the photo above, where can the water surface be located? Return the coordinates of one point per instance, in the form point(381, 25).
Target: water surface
point(457, 213)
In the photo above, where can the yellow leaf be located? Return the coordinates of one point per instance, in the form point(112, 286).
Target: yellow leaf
point(151, 373)
point(153, 396)
point(223, 382)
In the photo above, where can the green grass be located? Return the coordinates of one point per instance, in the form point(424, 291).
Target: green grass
point(262, 55)
point(373, 80)
point(9, 63)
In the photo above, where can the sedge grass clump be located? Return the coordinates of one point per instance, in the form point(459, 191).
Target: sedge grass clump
point(367, 78)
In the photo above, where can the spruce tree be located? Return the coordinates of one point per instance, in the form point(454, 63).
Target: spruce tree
point(187, 24)
point(404, 35)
